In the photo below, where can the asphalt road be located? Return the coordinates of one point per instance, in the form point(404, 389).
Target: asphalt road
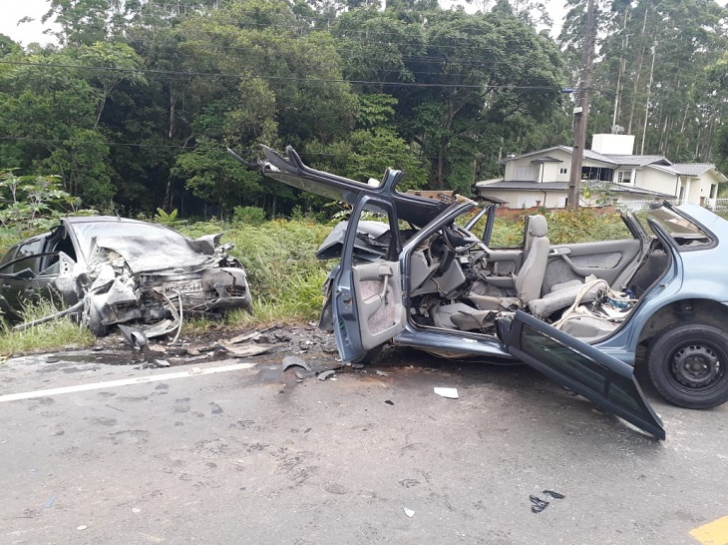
point(251, 456)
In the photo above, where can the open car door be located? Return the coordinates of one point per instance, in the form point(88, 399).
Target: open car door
point(367, 295)
point(606, 381)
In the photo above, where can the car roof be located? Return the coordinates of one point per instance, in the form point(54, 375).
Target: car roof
point(291, 170)
point(99, 219)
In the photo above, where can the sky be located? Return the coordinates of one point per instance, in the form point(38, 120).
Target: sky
point(13, 10)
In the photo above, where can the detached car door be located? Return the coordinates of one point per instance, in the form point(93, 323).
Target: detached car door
point(367, 294)
point(599, 377)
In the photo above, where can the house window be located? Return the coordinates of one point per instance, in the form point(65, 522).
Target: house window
point(563, 171)
point(713, 190)
point(624, 177)
point(526, 174)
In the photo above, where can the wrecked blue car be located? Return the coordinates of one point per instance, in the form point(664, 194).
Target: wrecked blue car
point(412, 273)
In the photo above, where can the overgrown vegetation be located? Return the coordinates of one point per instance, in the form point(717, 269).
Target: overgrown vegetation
point(585, 225)
point(58, 334)
point(284, 275)
point(31, 204)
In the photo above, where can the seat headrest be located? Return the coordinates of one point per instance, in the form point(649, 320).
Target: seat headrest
point(537, 226)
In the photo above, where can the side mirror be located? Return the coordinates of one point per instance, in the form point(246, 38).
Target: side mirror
point(25, 274)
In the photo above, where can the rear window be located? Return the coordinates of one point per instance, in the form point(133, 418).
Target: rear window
point(685, 233)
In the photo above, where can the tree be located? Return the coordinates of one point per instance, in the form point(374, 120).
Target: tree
point(109, 64)
point(8, 46)
point(489, 70)
point(213, 176)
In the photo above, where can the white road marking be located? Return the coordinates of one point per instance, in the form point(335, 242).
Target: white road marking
point(191, 372)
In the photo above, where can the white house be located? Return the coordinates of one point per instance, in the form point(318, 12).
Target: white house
point(610, 174)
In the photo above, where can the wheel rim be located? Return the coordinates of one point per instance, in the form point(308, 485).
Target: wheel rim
point(697, 366)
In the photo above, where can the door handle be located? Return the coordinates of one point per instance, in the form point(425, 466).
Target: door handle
point(384, 273)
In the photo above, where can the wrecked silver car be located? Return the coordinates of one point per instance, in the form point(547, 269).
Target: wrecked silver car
point(108, 270)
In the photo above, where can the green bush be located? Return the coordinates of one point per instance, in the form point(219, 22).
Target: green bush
point(251, 215)
point(279, 256)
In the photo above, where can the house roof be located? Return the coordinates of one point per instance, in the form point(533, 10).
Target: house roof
point(639, 160)
point(538, 187)
point(692, 169)
point(665, 168)
point(589, 154)
point(522, 186)
point(617, 160)
point(547, 159)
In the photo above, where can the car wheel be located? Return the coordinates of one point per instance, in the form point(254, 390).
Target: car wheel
point(95, 324)
point(687, 365)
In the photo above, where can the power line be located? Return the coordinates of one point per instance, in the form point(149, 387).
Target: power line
point(115, 144)
point(276, 78)
point(189, 148)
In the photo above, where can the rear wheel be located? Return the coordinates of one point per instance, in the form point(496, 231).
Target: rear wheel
point(687, 365)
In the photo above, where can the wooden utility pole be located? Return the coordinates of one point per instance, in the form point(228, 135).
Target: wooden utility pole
point(581, 110)
point(649, 95)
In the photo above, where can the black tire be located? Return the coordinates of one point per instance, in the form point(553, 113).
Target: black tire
point(687, 364)
point(94, 322)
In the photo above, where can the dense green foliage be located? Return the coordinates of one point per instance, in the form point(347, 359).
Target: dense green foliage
point(134, 108)
point(658, 73)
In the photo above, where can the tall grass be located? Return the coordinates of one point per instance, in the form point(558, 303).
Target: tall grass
point(564, 227)
point(60, 333)
point(279, 256)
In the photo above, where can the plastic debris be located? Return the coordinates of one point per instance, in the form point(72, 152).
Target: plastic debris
point(389, 402)
point(250, 336)
point(247, 350)
point(538, 504)
point(295, 361)
point(450, 393)
point(409, 512)
point(381, 373)
point(50, 501)
point(555, 495)
point(326, 374)
point(82, 527)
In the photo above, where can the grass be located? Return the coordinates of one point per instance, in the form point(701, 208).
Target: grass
point(61, 333)
point(279, 256)
point(564, 227)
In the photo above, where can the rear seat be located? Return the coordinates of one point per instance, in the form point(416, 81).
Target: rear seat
point(564, 294)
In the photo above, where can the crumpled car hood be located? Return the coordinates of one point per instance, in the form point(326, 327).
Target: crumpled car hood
point(142, 254)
